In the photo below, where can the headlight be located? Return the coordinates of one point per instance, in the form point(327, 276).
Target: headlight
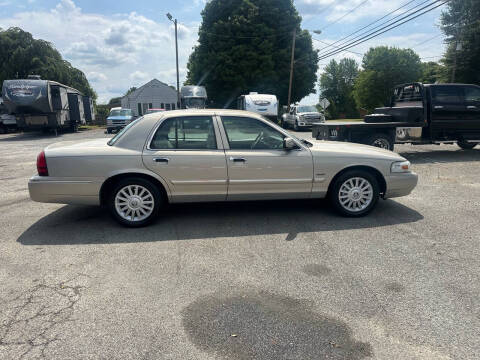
point(400, 167)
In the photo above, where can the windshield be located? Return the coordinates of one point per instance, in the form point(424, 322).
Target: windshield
point(304, 109)
point(123, 112)
point(123, 131)
point(195, 103)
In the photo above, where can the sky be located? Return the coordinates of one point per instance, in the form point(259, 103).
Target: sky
point(119, 44)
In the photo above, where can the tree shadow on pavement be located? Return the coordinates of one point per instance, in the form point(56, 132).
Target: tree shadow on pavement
point(416, 156)
point(73, 225)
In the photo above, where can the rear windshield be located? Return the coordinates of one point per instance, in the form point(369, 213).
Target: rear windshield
point(123, 131)
point(408, 93)
point(123, 112)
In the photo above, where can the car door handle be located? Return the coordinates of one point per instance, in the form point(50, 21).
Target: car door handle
point(161, 160)
point(471, 107)
point(237, 159)
point(438, 107)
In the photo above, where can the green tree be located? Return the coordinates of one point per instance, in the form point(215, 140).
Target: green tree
point(245, 45)
point(461, 24)
point(22, 55)
point(336, 84)
point(432, 72)
point(383, 68)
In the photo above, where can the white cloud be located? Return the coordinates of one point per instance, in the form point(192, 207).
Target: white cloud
point(116, 52)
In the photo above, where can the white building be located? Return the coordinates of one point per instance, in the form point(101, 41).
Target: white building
point(153, 95)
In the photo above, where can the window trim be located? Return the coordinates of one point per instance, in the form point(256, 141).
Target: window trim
point(162, 120)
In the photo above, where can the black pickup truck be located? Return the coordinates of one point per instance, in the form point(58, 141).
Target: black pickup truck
point(418, 114)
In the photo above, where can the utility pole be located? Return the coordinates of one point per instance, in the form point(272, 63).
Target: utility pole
point(170, 17)
point(291, 68)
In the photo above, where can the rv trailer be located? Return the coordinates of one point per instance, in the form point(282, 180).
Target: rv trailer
point(43, 104)
point(263, 104)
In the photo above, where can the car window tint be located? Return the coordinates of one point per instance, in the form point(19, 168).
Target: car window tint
point(247, 133)
point(189, 133)
point(472, 94)
point(447, 95)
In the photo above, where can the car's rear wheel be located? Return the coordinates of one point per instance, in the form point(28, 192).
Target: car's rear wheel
point(135, 202)
point(466, 145)
point(355, 193)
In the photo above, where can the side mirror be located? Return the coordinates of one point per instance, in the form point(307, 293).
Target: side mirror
point(289, 144)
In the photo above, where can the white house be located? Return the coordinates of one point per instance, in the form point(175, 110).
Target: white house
point(153, 95)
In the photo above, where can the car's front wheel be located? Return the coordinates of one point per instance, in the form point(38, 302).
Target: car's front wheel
point(355, 193)
point(135, 202)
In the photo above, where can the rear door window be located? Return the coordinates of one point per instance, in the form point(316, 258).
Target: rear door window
point(447, 95)
point(185, 133)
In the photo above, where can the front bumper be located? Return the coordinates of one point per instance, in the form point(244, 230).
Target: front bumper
point(53, 190)
point(400, 184)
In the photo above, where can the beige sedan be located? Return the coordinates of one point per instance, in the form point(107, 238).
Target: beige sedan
point(214, 155)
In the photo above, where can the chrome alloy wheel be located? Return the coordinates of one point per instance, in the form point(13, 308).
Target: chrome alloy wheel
point(381, 143)
point(134, 203)
point(355, 194)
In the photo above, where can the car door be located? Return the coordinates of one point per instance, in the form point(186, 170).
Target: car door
point(472, 114)
point(258, 165)
point(186, 151)
point(448, 110)
point(292, 116)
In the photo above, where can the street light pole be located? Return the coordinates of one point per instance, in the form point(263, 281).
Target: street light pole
point(170, 17)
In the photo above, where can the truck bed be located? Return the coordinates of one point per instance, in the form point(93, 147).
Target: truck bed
point(331, 130)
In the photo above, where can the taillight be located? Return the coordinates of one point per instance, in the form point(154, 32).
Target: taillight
point(42, 164)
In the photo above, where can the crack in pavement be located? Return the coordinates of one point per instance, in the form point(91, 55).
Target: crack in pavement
point(32, 320)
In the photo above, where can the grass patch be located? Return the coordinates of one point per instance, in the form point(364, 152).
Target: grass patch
point(90, 127)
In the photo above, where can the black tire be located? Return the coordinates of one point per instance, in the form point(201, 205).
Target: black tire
point(334, 192)
point(466, 145)
point(3, 130)
point(382, 141)
point(295, 126)
point(158, 201)
point(109, 131)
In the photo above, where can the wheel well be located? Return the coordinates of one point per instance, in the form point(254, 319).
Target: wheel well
point(378, 175)
point(110, 182)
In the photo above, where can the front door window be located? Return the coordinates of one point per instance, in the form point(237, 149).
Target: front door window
point(251, 134)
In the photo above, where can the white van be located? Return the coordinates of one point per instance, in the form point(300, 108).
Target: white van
point(263, 104)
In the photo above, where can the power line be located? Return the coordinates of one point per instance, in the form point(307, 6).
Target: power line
point(387, 23)
point(347, 13)
point(368, 25)
point(380, 32)
point(423, 42)
point(326, 43)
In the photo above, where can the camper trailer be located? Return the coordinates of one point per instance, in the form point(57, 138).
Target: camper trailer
point(193, 97)
point(7, 121)
point(263, 104)
point(88, 108)
point(43, 104)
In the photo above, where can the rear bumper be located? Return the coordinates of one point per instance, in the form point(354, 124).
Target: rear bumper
point(52, 190)
point(400, 184)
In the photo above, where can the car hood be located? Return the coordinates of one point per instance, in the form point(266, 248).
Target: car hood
point(351, 150)
point(119, 118)
point(310, 114)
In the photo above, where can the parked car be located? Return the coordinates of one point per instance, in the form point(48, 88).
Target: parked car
point(214, 155)
point(418, 114)
point(118, 119)
point(302, 117)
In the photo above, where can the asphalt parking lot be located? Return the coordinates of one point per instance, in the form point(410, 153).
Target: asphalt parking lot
point(269, 280)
